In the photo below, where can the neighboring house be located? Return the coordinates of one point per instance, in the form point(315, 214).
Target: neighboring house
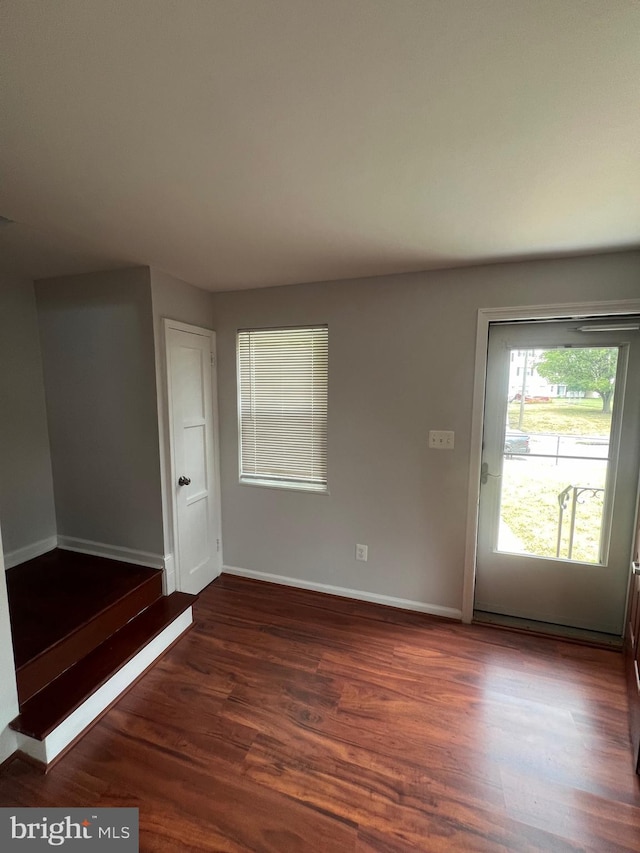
point(524, 376)
point(524, 363)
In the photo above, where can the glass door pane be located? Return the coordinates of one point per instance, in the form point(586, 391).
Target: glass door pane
point(556, 453)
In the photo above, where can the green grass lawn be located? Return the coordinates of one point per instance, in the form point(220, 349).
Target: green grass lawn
point(530, 508)
point(567, 417)
point(530, 488)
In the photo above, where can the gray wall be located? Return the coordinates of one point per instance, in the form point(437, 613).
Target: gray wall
point(401, 362)
point(99, 369)
point(27, 512)
point(176, 300)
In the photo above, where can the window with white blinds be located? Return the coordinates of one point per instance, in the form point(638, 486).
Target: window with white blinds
point(282, 406)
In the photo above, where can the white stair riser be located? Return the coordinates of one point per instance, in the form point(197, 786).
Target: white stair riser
point(45, 751)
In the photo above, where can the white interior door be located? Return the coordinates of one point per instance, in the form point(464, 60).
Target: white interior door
point(559, 478)
point(193, 435)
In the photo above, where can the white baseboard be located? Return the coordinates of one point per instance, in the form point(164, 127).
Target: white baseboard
point(28, 552)
point(46, 750)
point(8, 743)
point(113, 552)
point(344, 592)
point(169, 575)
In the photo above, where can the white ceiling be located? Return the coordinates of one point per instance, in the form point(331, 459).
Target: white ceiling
point(256, 142)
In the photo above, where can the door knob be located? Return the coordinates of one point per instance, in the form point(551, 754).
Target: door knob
point(184, 481)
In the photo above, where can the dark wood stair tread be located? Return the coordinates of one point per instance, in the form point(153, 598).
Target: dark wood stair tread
point(72, 589)
point(41, 714)
point(52, 662)
point(63, 604)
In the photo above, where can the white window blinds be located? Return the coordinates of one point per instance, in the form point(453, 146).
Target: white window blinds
point(282, 402)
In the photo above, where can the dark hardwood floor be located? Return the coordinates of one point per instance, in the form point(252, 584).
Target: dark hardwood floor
point(292, 721)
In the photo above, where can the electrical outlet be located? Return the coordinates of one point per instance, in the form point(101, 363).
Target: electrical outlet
point(441, 439)
point(362, 553)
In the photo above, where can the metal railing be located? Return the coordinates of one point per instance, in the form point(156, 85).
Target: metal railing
point(573, 495)
point(555, 439)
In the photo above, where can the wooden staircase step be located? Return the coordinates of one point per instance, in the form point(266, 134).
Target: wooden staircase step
point(45, 711)
point(52, 662)
point(64, 604)
point(56, 593)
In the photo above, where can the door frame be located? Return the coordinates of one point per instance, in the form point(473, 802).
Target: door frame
point(559, 311)
point(169, 490)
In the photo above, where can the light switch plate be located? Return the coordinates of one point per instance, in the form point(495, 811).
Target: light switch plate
point(441, 439)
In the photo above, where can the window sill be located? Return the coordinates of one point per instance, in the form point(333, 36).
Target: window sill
point(286, 487)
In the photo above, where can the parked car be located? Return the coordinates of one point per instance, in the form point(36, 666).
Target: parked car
point(516, 442)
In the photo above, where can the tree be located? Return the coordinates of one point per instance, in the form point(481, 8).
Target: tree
point(582, 369)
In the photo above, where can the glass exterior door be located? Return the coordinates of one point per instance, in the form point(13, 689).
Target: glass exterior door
point(560, 460)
